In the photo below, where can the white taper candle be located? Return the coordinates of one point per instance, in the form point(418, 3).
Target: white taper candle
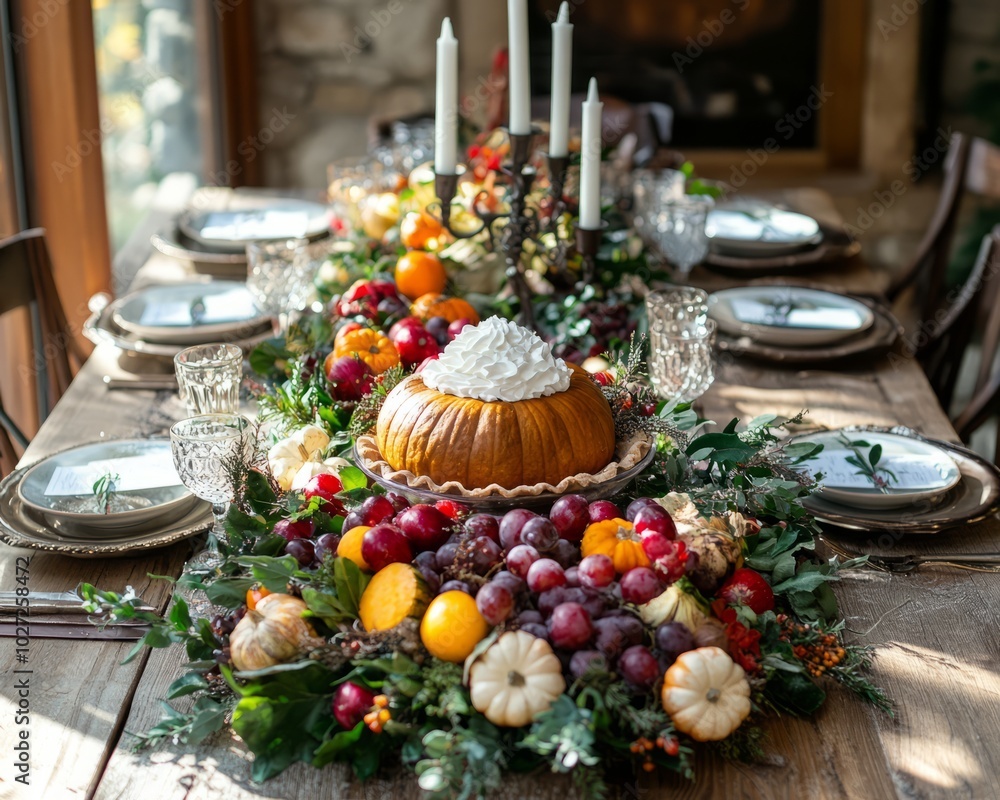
point(520, 80)
point(446, 102)
point(562, 63)
point(590, 161)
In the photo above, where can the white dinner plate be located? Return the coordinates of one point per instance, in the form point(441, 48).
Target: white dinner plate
point(747, 228)
point(274, 219)
point(921, 471)
point(791, 316)
point(59, 487)
point(189, 313)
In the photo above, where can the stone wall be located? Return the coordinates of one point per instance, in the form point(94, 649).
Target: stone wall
point(335, 65)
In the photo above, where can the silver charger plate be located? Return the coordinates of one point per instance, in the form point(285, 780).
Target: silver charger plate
point(873, 343)
point(261, 218)
point(100, 327)
point(79, 514)
point(188, 313)
point(18, 528)
point(790, 316)
point(171, 242)
point(756, 229)
point(923, 469)
point(974, 498)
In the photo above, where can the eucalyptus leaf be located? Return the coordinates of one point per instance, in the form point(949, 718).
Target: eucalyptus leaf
point(188, 683)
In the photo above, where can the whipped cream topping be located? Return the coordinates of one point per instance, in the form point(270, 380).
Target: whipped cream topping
point(497, 361)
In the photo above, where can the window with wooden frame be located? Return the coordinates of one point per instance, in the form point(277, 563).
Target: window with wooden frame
point(141, 80)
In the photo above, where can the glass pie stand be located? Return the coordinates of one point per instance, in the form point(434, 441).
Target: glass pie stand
point(632, 459)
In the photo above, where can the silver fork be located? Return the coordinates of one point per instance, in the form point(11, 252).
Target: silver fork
point(973, 562)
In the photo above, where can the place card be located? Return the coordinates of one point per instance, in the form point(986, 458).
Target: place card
point(913, 472)
point(244, 226)
point(752, 312)
point(149, 471)
point(232, 306)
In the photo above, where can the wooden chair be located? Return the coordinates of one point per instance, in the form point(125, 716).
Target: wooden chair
point(985, 401)
point(930, 263)
point(972, 166)
point(943, 340)
point(26, 278)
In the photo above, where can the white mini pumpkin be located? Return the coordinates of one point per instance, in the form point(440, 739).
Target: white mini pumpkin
point(706, 694)
point(287, 456)
point(517, 678)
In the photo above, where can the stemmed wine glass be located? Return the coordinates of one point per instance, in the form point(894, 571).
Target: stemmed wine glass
point(680, 231)
point(203, 448)
point(280, 277)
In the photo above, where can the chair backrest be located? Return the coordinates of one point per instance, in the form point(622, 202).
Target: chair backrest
point(26, 278)
point(930, 263)
point(943, 339)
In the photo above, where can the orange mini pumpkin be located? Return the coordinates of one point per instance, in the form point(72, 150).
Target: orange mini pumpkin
point(616, 539)
point(438, 305)
point(371, 346)
point(478, 443)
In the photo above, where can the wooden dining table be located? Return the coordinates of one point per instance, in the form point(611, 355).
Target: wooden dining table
point(934, 634)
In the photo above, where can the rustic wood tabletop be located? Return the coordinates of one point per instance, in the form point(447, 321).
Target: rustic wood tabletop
point(934, 633)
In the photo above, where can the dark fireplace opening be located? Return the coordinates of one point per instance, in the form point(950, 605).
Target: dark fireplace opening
point(731, 70)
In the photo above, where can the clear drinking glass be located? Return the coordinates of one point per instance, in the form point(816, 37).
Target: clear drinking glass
point(209, 377)
point(680, 231)
point(650, 190)
point(203, 448)
point(680, 359)
point(280, 277)
point(676, 304)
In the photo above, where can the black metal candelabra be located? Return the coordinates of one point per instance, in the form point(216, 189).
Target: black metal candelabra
point(521, 223)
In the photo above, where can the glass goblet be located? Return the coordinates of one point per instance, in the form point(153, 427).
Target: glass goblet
point(204, 449)
point(280, 277)
point(680, 231)
point(676, 304)
point(209, 377)
point(680, 359)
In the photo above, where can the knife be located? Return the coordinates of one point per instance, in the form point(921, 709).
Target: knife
point(67, 631)
point(140, 383)
point(47, 603)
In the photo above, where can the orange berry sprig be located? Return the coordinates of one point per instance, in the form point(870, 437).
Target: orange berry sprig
point(379, 715)
point(818, 650)
point(645, 747)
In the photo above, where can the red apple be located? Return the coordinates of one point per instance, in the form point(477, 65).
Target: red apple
point(361, 298)
point(350, 704)
point(402, 325)
point(451, 508)
point(383, 288)
point(303, 529)
point(350, 379)
point(377, 508)
point(385, 544)
point(414, 345)
point(424, 526)
point(326, 486)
